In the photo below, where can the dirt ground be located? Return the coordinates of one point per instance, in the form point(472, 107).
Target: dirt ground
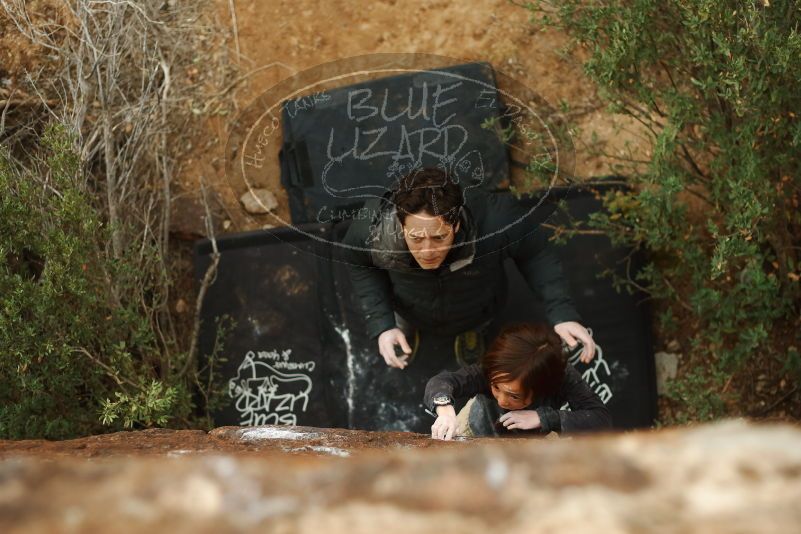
point(277, 39)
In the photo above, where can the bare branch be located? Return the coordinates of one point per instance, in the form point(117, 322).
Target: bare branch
point(117, 80)
point(208, 279)
point(232, 9)
point(6, 105)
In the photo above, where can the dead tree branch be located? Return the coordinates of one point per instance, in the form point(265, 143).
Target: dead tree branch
point(208, 279)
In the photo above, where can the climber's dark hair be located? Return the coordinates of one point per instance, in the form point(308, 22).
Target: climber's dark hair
point(531, 352)
point(429, 190)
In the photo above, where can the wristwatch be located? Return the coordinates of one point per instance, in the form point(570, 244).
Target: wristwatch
point(441, 400)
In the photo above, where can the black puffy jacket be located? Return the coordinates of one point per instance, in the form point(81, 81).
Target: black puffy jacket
point(470, 287)
point(587, 410)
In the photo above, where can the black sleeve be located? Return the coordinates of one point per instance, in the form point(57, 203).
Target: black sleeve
point(525, 241)
point(539, 265)
point(587, 410)
point(371, 284)
point(464, 383)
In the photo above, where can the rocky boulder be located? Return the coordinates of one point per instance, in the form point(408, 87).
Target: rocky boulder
point(727, 477)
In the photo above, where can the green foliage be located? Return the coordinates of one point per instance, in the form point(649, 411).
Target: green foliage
point(149, 406)
point(207, 379)
point(792, 363)
point(504, 134)
point(68, 340)
point(715, 87)
point(698, 391)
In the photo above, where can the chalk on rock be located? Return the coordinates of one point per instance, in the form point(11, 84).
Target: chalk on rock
point(270, 432)
point(258, 201)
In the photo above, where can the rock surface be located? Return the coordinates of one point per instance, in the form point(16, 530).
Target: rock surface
point(727, 477)
point(228, 439)
point(258, 201)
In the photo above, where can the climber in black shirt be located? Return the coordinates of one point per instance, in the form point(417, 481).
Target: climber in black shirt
point(520, 385)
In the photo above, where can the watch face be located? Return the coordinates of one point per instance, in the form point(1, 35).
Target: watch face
point(439, 401)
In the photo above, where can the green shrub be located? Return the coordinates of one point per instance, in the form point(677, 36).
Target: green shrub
point(68, 340)
point(714, 85)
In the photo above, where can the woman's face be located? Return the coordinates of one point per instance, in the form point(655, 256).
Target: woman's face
point(511, 395)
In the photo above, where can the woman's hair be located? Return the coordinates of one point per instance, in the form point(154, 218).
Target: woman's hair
point(530, 352)
point(430, 190)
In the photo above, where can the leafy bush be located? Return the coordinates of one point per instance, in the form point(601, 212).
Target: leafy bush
point(714, 85)
point(68, 340)
point(88, 267)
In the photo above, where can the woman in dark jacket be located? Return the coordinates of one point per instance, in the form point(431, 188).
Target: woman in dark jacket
point(521, 385)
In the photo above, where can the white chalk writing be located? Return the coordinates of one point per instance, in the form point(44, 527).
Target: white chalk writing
point(439, 141)
point(329, 214)
point(596, 375)
point(293, 107)
point(257, 157)
point(265, 395)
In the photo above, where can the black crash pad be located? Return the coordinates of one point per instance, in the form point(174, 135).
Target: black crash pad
point(623, 371)
point(299, 353)
point(346, 145)
point(273, 286)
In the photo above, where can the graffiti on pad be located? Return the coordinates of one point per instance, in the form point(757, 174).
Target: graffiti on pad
point(597, 375)
point(270, 388)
